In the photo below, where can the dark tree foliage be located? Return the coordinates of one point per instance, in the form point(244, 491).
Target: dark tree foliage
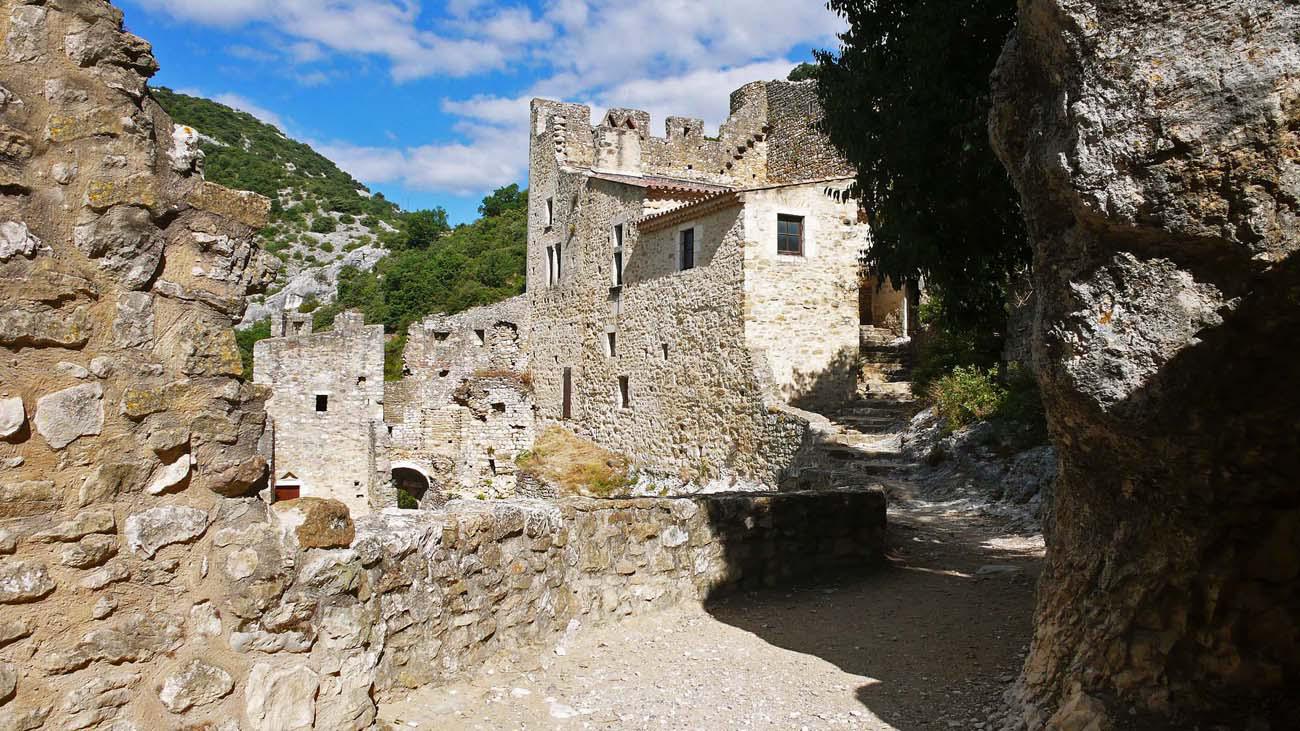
point(423, 228)
point(504, 199)
point(907, 101)
point(802, 72)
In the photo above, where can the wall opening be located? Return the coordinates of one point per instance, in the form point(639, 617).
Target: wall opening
point(288, 490)
point(441, 335)
point(624, 395)
point(480, 336)
point(566, 404)
point(499, 407)
point(664, 348)
point(616, 266)
point(550, 212)
point(611, 344)
point(411, 487)
point(322, 402)
point(686, 250)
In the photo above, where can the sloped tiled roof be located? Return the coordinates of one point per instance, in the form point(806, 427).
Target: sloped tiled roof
point(661, 183)
point(712, 202)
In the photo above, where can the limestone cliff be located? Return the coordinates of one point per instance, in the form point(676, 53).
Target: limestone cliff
point(1156, 148)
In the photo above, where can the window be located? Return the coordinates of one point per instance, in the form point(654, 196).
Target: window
point(550, 212)
point(322, 402)
point(687, 258)
point(566, 405)
point(559, 263)
point(480, 336)
point(616, 268)
point(664, 346)
point(624, 397)
point(611, 343)
point(441, 336)
point(550, 265)
point(789, 235)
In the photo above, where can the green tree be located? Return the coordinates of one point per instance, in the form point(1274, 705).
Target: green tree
point(425, 227)
point(906, 100)
point(504, 199)
point(802, 72)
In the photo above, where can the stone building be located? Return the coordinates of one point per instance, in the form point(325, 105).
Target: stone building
point(690, 300)
point(687, 291)
point(327, 399)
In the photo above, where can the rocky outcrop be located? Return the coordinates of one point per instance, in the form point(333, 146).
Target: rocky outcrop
point(1156, 148)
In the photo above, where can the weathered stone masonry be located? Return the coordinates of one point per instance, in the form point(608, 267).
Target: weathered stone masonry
point(145, 583)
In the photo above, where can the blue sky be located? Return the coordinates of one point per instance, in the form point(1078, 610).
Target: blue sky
point(428, 102)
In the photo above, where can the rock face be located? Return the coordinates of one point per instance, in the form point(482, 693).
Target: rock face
point(1156, 148)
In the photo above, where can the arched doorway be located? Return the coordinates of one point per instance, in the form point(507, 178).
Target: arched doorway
point(411, 487)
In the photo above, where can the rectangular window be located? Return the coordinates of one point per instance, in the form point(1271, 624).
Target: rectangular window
point(611, 343)
point(616, 266)
point(322, 402)
point(665, 350)
point(789, 235)
point(618, 236)
point(550, 212)
point(566, 405)
point(624, 395)
point(550, 265)
point(559, 263)
point(687, 258)
point(480, 336)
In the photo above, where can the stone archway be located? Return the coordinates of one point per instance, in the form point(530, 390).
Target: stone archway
point(413, 486)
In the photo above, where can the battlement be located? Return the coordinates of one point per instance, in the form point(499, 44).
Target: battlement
point(770, 136)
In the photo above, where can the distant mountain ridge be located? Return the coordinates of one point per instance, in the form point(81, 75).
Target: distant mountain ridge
point(322, 218)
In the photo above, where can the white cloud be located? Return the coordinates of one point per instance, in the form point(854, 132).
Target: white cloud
point(491, 157)
point(671, 57)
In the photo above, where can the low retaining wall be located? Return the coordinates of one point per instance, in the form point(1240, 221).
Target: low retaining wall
point(255, 633)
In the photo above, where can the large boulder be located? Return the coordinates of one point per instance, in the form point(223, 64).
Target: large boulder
point(1156, 148)
point(315, 522)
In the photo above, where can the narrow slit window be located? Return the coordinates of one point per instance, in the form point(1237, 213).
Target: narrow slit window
point(550, 265)
point(616, 267)
point(322, 402)
point(687, 250)
point(665, 350)
point(550, 212)
point(559, 264)
point(624, 394)
point(611, 344)
point(480, 337)
point(789, 235)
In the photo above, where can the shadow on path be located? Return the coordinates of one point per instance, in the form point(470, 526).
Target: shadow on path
point(940, 631)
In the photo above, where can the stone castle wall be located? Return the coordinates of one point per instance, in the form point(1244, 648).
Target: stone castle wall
point(331, 453)
point(464, 409)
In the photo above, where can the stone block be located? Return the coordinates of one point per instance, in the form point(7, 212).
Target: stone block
point(281, 699)
point(150, 530)
point(23, 581)
point(316, 522)
point(64, 416)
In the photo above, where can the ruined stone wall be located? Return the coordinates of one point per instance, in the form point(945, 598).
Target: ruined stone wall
point(802, 311)
point(422, 596)
point(329, 452)
point(124, 424)
point(1155, 148)
point(464, 409)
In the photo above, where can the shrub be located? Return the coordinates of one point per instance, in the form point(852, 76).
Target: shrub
point(966, 395)
point(327, 247)
point(309, 305)
point(245, 339)
point(575, 465)
point(406, 501)
point(347, 219)
point(324, 224)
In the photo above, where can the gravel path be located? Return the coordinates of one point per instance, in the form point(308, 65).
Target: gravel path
point(929, 642)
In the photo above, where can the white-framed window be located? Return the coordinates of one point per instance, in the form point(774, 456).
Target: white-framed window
point(789, 235)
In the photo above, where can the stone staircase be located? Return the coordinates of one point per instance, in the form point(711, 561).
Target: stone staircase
point(886, 359)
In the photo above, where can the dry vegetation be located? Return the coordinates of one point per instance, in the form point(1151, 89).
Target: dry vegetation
point(575, 465)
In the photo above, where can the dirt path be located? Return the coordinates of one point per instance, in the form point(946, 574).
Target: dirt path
point(928, 642)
